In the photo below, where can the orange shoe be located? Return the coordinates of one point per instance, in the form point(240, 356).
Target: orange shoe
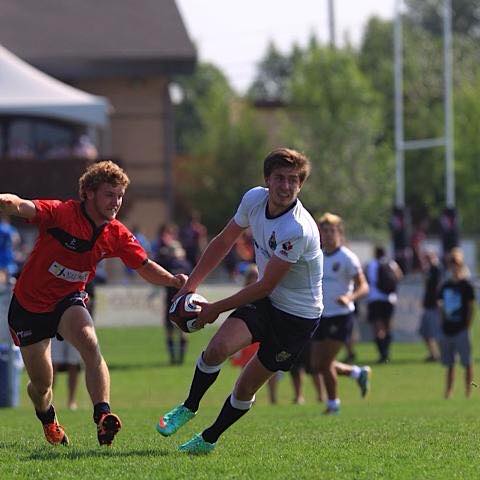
point(55, 433)
point(107, 427)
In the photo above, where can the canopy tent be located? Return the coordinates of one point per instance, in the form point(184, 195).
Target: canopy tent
point(24, 90)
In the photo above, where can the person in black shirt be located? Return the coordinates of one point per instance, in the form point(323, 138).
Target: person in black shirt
point(430, 321)
point(456, 301)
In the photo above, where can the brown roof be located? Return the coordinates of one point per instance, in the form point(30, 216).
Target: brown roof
point(97, 37)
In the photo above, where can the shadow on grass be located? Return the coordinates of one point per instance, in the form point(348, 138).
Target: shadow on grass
point(72, 454)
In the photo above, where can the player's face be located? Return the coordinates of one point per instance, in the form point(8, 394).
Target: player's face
point(106, 201)
point(330, 236)
point(284, 185)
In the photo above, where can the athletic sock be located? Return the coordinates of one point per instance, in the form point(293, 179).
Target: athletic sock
point(204, 377)
point(99, 409)
point(387, 342)
point(171, 351)
point(183, 349)
point(333, 404)
point(232, 410)
point(46, 417)
point(356, 371)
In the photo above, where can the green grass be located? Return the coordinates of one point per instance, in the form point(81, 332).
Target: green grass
point(403, 430)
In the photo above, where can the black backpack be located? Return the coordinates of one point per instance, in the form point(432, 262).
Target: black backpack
point(387, 280)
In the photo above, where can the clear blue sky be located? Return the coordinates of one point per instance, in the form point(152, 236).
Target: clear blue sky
point(234, 34)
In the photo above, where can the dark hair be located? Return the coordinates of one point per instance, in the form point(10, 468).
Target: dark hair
point(101, 172)
point(286, 157)
point(380, 252)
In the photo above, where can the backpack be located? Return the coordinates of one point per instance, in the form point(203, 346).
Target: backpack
point(387, 281)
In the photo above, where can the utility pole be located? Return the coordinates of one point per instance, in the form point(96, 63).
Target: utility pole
point(331, 23)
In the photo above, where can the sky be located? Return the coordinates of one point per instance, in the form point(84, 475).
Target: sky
point(234, 35)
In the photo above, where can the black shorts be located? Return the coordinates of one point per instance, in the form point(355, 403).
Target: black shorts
point(380, 311)
point(338, 327)
point(27, 328)
point(304, 360)
point(282, 336)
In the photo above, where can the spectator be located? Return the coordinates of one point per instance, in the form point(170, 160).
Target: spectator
point(175, 262)
point(9, 240)
point(383, 276)
point(193, 237)
point(456, 301)
point(430, 321)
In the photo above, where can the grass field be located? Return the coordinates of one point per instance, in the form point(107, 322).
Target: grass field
point(403, 430)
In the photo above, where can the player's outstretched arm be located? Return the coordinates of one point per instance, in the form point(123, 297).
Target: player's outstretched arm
point(152, 272)
point(14, 205)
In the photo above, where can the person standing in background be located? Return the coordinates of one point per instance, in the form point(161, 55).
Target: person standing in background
point(383, 275)
point(456, 300)
point(430, 321)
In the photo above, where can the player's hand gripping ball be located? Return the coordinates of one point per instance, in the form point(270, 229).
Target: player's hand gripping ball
point(183, 311)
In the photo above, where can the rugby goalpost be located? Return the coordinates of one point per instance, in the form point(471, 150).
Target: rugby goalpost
point(447, 141)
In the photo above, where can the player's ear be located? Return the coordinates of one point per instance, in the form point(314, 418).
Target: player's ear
point(90, 194)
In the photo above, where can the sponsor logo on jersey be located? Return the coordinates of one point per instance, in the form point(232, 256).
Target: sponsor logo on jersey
point(286, 247)
point(272, 241)
point(67, 274)
point(282, 356)
point(336, 266)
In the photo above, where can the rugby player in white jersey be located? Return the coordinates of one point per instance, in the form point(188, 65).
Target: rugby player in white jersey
point(281, 310)
point(343, 283)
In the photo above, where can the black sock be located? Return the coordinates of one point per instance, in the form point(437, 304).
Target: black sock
point(227, 417)
point(46, 417)
point(183, 349)
point(388, 341)
point(99, 409)
point(200, 384)
point(379, 342)
point(170, 348)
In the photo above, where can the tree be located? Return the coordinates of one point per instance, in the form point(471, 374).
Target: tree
point(428, 14)
point(337, 119)
point(223, 151)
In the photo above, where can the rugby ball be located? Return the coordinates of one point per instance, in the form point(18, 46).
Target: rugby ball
point(183, 311)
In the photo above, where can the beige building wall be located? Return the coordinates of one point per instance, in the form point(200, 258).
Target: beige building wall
point(139, 128)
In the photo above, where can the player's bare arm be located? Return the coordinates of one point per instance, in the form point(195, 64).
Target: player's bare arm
point(275, 270)
point(215, 252)
point(11, 204)
point(360, 289)
point(152, 272)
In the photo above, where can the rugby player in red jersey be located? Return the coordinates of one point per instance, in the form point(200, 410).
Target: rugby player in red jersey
point(49, 297)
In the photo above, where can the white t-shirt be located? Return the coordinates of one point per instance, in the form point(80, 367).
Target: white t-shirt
point(339, 269)
point(293, 237)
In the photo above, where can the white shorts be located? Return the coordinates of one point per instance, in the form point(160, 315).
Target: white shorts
point(65, 353)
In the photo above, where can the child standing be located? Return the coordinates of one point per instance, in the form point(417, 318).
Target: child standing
point(456, 300)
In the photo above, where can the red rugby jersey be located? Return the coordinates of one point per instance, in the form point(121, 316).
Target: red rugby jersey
point(67, 251)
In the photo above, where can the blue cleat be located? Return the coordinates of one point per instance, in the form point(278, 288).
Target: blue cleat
point(173, 420)
point(197, 446)
point(364, 380)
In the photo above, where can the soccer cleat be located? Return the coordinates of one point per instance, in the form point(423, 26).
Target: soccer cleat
point(174, 420)
point(107, 427)
point(197, 446)
point(364, 380)
point(55, 433)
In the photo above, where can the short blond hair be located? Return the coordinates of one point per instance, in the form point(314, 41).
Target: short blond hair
point(102, 172)
point(331, 219)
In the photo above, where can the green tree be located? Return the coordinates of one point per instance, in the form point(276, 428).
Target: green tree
point(337, 119)
point(224, 149)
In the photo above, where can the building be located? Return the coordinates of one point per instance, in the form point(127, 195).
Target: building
point(126, 51)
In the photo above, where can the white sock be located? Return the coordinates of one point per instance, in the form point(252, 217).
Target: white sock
point(356, 371)
point(333, 404)
point(203, 367)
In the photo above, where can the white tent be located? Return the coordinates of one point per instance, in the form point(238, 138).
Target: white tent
point(24, 90)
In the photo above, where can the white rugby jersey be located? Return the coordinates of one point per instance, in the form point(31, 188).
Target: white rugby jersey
point(293, 237)
point(339, 269)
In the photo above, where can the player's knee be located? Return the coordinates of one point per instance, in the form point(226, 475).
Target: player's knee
point(216, 353)
point(89, 349)
point(41, 387)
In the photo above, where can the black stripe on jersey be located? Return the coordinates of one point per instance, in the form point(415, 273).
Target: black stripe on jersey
point(75, 244)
